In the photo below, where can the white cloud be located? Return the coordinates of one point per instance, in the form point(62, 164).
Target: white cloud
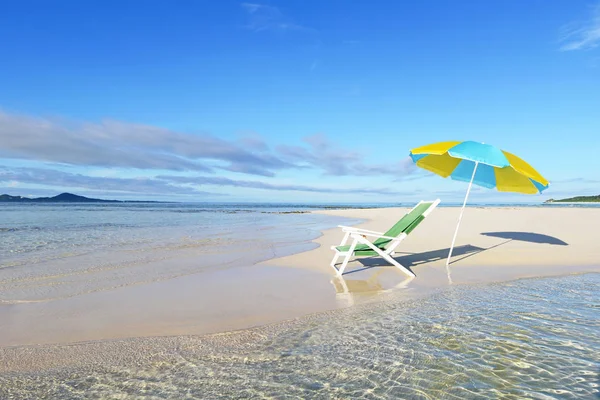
point(220, 181)
point(337, 161)
point(59, 179)
point(262, 17)
point(163, 184)
point(251, 7)
point(112, 145)
point(582, 36)
point(113, 156)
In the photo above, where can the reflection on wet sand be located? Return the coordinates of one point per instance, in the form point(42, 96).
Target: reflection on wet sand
point(368, 284)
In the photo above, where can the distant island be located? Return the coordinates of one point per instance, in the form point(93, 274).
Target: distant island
point(577, 199)
point(61, 198)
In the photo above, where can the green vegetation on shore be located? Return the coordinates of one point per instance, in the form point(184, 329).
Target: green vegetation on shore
point(577, 199)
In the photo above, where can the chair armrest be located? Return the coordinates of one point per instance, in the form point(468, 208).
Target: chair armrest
point(373, 234)
point(359, 230)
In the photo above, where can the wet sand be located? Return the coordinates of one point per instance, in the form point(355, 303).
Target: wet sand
point(494, 244)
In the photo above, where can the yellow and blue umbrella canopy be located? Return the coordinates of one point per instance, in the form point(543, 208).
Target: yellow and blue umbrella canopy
point(495, 168)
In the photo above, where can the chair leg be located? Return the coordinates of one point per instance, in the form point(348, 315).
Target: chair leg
point(387, 257)
point(392, 246)
point(347, 258)
point(345, 239)
point(398, 265)
point(335, 258)
point(337, 254)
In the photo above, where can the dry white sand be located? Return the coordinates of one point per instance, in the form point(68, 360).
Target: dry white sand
point(494, 244)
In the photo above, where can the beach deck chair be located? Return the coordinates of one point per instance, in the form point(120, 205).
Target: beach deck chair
point(384, 243)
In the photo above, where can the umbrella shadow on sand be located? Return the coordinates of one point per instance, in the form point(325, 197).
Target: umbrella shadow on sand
point(527, 237)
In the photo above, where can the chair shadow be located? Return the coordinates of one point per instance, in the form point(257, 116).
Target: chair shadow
point(416, 259)
point(527, 237)
point(410, 260)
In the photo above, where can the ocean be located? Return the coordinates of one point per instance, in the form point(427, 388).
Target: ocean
point(54, 251)
point(527, 339)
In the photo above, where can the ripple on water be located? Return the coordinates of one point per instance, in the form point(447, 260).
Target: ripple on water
point(467, 342)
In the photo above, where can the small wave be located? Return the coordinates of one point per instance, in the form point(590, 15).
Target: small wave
point(106, 225)
point(67, 227)
point(23, 228)
point(199, 211)
point(13, 302)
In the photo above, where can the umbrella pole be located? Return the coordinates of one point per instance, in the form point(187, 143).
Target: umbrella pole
point(460, 219)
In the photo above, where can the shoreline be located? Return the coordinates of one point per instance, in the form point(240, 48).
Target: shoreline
point(291, 287)
point(120, 352)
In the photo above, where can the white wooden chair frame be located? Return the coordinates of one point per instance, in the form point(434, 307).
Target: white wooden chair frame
point(359, 236)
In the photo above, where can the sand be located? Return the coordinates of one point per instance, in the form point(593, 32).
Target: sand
point(494, 244)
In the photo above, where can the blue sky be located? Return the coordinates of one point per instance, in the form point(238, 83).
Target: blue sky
point(297, 100)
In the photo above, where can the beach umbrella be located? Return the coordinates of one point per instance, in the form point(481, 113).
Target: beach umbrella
point(480, 164)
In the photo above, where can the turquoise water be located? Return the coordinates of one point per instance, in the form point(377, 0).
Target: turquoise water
point(53, 251)
point(534, 339)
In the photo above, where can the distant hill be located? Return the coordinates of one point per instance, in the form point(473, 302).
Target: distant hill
point(577, 199)
point(61, 198)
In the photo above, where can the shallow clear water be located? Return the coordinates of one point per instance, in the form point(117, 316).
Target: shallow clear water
point(51, 251)
point(535, 338)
